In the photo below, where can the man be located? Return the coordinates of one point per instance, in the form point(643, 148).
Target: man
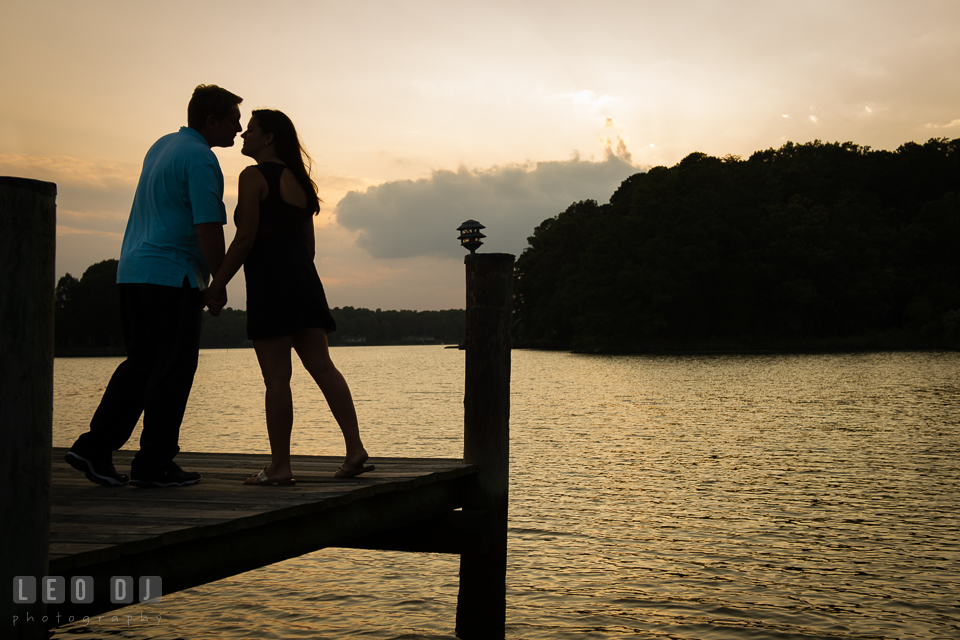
point(173, 242)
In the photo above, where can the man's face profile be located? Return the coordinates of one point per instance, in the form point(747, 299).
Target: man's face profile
point(224, 130)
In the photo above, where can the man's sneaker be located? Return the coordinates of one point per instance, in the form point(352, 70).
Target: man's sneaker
point(169, 476)
point(97, 468)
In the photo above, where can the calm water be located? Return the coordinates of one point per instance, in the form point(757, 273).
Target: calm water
point(700, 497)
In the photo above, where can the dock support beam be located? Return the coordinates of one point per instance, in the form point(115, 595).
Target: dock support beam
point(27, 282)
point(481, 605)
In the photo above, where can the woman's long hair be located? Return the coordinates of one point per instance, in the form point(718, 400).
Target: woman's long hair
point(291, 151)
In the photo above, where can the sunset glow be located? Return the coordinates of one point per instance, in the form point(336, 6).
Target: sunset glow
point(420, 115)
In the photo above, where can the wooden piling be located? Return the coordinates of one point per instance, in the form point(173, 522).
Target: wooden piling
point(481, 605)
point(27, 284)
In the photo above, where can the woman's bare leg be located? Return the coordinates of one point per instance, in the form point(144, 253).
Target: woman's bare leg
point(314, 352)
point(274, 357)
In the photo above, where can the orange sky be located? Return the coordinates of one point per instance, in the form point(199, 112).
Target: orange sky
point(429, 113)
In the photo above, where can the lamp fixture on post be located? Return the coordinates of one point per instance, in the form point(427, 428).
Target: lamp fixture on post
point(470, 235)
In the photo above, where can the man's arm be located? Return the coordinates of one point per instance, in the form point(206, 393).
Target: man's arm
point(212, 244)
point(210, 235)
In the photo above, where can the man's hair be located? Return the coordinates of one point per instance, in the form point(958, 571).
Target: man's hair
point(209, 100)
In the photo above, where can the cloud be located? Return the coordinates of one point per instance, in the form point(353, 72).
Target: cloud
point(92, 193)
point(351, 278)
point(953, 124)
point(587, 98)
point(95, 174)
point(612, 133)
point(407, 218)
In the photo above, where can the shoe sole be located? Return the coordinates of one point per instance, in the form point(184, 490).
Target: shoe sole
point(86, 467)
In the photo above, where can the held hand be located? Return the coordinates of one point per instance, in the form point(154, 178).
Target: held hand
point(215, 299)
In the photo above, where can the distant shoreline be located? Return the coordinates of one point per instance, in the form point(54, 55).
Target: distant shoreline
point(114, 352)
point(675, 351)
point(89, 352)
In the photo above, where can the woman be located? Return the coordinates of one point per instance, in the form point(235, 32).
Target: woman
point(286, 305)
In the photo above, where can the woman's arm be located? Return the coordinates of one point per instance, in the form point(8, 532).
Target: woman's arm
point(252, 189)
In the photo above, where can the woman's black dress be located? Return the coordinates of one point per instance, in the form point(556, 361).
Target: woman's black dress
point(284, 292)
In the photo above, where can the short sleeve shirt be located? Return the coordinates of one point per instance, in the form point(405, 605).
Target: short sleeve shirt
point(181, 185)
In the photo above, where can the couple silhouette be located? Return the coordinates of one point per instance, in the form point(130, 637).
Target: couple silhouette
point(172, 245)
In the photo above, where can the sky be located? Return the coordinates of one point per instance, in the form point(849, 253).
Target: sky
point(420, 115)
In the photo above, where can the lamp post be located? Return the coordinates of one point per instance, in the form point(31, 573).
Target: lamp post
point(481, 605)
point(470, 235)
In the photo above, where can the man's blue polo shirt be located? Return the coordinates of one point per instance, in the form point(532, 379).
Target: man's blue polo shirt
point(181, 185)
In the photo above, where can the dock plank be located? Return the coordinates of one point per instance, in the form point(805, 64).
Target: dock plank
point(211, 530)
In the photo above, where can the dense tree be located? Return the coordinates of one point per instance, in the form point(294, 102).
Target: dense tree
point(363, 326)
point(228, 330)
point(354, 327)
point(87, 312)
point(805, 245)
point(87, 319)
point(65, 320)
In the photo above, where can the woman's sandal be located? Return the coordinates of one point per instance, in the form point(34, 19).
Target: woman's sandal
point(347, 470)
point(263, 480)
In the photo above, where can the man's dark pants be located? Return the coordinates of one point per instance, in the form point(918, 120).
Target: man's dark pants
point(161, 330)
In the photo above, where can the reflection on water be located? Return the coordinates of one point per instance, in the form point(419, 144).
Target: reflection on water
point(761, 496)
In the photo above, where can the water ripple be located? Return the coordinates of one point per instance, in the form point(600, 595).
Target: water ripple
point(698, 497)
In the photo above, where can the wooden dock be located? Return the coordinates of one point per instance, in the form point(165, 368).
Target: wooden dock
point(53, 522)
point(192, 535)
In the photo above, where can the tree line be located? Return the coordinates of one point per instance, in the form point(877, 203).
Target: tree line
point(817, 245)
point(808, 246)
point(355, 326)
point(87, 320)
